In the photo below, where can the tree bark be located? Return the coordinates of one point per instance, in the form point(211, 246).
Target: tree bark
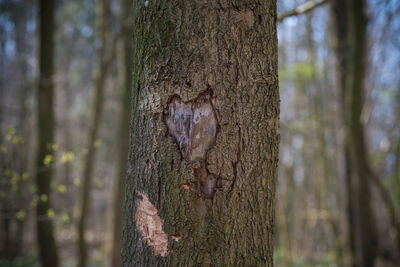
point(204, 134)
point(119, 180)
point(350, 29)
point(47, 247)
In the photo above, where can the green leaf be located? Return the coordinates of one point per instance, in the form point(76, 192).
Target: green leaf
point(3, 149)
point(67, 156)
point(44, 197)
point(65, 218)
point(77, 182)
point(61, 188)
point(97, 143)
point(25, 176)
point(48, 159)
point(50, 213)
point(21, 215)
point(16, 140)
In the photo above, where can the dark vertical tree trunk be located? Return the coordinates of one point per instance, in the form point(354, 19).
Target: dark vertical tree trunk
point(204, 134)
point(22, 161)
point(123, 135)
point(100, 79)
point(350, 26)
point(47, 246)
point(67, 141)
point(65, 104)
point(66, 137)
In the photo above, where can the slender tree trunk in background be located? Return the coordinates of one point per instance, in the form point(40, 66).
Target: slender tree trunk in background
point(385, 193)
point(204, 134)
point(47, 247)
point(100, 79)
point(283, 215)
point(319, 109)
point(318, 113)
point(284, 199)
point(340, 45)
point(119, 180)
point(68, 202)
point(65, 103)
point(350, 26)
point(365, 244)
point(22, 126)
point(13, 232)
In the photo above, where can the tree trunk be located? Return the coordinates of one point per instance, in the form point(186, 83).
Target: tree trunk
point(204, 134)
point(17, 158)
point(350, 25)
point(100, 79)
point(126, 78)
point(47, 246)
point(319, 110)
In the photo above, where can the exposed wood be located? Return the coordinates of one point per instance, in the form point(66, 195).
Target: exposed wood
point(216, 208)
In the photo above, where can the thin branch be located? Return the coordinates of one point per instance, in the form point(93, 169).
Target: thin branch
point(301, 9)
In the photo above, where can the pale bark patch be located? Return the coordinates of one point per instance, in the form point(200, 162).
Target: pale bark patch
point(150, 226)
point(245, 17)
point(193, 126)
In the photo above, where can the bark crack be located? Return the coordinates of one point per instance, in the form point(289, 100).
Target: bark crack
point(235, 163)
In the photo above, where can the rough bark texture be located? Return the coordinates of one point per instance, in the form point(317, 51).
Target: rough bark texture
point(350, 28)
point(217, 207)
point(44, 224)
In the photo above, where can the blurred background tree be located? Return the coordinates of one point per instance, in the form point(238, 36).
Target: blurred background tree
point(330, 105)
point(48, 251)
point(312, 216)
